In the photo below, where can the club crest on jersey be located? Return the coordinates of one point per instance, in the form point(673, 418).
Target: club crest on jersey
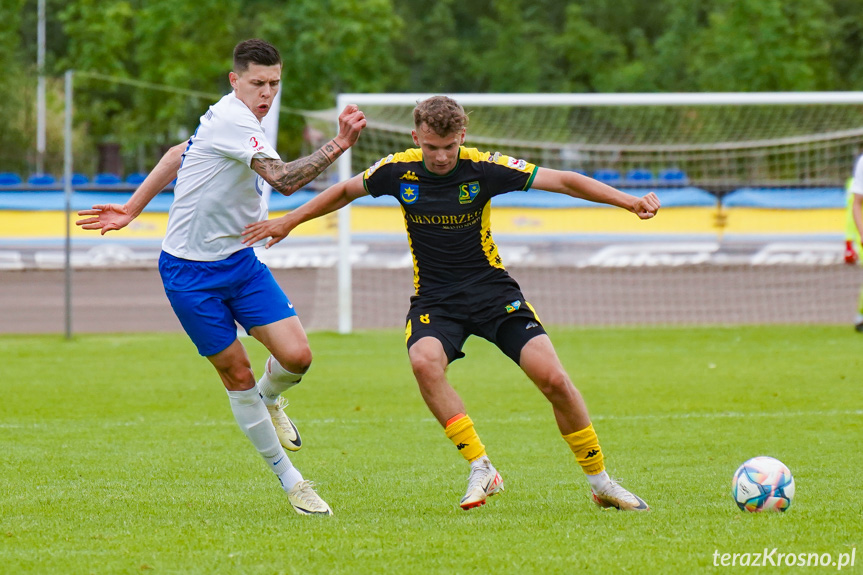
point(467, 192)
point(514, 306)
point(409, 192)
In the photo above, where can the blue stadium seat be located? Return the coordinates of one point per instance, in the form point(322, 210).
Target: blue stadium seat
point(106, 179)
point(41, 180)
point(673, 176)
point(79, 180)
point(136, 178)
point(639, 176)
point(607, 176)
point(9, 179)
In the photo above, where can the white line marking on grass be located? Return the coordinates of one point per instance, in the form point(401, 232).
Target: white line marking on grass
point(521, 418)
point(636, 417)
point(728, 415)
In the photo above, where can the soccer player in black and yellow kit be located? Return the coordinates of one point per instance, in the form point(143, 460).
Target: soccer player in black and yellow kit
point(461, 285)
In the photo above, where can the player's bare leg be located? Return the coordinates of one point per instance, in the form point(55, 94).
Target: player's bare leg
point(287, 341)
point(234, 367)
point(429, 363)
point(290, 358)
point(540, 362)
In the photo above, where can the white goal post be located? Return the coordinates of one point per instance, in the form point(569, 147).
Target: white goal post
point(785, 139)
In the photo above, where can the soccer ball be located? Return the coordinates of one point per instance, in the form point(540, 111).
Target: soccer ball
point(762, 484)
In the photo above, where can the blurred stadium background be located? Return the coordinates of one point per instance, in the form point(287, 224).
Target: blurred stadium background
point(753, 223)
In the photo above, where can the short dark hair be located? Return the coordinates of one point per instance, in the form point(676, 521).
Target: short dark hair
point(442, 114)
point(255, 51)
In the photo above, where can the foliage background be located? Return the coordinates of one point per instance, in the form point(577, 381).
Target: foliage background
point(332, 46)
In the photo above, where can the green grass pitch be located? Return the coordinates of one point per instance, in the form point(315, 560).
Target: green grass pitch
point(119, 454)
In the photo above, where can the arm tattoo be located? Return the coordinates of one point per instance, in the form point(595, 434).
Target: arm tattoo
point(288, 177)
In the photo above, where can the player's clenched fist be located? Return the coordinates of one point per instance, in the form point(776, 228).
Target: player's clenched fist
point(647, 206)
point(351, 123)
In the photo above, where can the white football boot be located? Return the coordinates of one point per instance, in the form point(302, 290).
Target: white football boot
point(306, 501)
point(289, 437)
point(611, 494)
point(483, 482)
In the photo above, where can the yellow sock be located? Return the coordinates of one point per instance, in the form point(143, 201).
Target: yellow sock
point(460, 430)
point(585, 445)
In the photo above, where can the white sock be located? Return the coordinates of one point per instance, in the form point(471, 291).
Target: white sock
point(276, 379)
point(479, 461)
point(598, 480)
point(290, 478)
point(254, 419)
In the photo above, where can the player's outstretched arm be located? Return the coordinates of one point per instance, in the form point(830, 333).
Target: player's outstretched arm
point(579, 186)
point(288, 177)
point(333, 198)
point(108, 217)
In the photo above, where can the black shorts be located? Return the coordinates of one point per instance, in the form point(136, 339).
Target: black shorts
point(501, 316)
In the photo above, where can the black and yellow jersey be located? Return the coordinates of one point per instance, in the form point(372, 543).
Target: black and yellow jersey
point(448, 216)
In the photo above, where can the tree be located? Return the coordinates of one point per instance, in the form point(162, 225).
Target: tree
point(139, 62)
point(328, 47)
point(765, 45)
point(847, 49)
point(17, 92)
point(589, 55)
point(119, 50)
point(670, 66)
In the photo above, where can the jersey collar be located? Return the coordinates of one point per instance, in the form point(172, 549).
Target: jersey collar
point(457, 164)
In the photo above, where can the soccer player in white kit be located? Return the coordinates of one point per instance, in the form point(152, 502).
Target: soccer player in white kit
point(211, 278)
point(856, 189)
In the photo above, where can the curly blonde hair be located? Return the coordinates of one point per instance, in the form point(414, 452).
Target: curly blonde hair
point(441, 114)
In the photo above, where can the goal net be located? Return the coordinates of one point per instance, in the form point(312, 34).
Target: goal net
point(719, 141)
point(753, 192)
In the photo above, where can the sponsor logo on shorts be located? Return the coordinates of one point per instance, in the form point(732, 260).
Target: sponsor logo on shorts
point(514, 306)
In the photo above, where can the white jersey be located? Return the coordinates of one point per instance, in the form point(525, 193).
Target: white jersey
point(217, 194)
point(857, 181)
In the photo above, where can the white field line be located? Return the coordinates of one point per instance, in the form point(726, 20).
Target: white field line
point(514, 419)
